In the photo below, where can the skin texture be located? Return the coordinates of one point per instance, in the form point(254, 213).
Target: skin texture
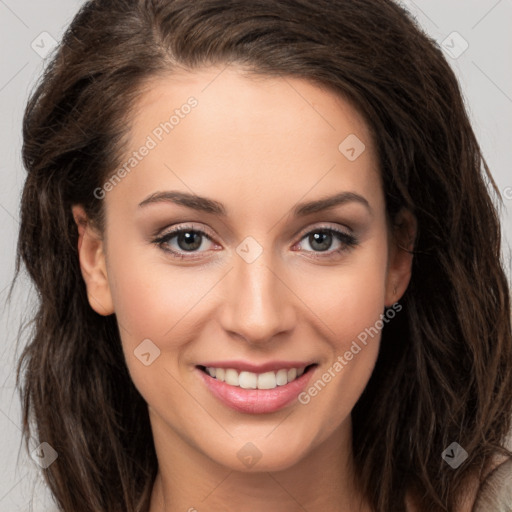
point(259, 146)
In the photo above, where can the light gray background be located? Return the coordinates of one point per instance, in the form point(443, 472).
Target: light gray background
point(484, 71)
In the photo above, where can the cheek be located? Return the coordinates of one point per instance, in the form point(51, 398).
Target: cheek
point(350, 297)
point(151, 296)
point(159, 301)
point(350, 305)
point(151, 303)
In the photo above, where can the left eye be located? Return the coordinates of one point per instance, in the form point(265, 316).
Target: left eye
point(322, 239)
point(188, 240)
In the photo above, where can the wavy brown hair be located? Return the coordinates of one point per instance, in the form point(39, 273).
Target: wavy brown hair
point(444, 371)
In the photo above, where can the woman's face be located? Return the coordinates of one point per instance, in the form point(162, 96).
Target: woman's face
point(256, 285)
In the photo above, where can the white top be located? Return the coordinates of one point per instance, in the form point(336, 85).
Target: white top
point(495, 494)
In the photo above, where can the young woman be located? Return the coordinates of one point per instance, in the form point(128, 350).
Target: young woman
point(268, 260)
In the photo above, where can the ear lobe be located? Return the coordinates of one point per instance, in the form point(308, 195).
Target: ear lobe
point(400, 256)
point(91, 253)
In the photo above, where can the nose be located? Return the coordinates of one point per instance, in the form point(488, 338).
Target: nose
point(259, 305)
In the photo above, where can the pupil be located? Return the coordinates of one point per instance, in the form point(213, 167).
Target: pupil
point(324, 239)
point(187, 237)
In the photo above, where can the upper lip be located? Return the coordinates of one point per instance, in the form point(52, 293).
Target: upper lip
point(270, 366)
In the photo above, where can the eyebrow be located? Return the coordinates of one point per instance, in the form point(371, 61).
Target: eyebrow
point(211, 206)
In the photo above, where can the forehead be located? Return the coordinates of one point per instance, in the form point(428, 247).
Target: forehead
point(238, 135)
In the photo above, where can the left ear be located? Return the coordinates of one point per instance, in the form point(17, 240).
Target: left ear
point(403, 236)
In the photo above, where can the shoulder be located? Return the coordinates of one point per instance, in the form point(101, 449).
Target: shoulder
point(495, 492)
point(492, 494)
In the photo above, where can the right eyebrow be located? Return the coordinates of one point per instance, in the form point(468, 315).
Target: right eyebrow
point(192, 201)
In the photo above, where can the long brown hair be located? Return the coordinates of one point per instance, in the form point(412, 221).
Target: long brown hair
point(444, 371)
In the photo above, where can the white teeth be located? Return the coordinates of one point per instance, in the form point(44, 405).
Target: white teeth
point(282, 377)
point(231, 377)
point(292, 373)
point(267, 380)
point(250, 380)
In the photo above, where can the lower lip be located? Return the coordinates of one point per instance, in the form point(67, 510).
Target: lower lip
point(256, 401)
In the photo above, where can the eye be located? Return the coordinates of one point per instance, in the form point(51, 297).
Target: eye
point(321, 240)
point(188, 239)
point(182, 240)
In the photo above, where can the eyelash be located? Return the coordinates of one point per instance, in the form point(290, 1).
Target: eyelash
point(348, 241)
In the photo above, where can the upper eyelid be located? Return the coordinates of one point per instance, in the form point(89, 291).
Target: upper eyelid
point(185, 227)
point(325, 226)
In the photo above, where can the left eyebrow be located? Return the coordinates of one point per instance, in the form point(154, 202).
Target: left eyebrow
point(303, 209)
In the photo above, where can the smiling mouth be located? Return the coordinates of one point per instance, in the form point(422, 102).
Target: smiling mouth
point(250, 380)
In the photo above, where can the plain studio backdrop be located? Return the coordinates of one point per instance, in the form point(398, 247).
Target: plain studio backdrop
point(476, 38)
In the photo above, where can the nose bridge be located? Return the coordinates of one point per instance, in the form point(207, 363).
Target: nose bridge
point(258, 305)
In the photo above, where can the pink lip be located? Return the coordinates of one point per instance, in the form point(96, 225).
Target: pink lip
point(256, 401)
point(271, 366)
